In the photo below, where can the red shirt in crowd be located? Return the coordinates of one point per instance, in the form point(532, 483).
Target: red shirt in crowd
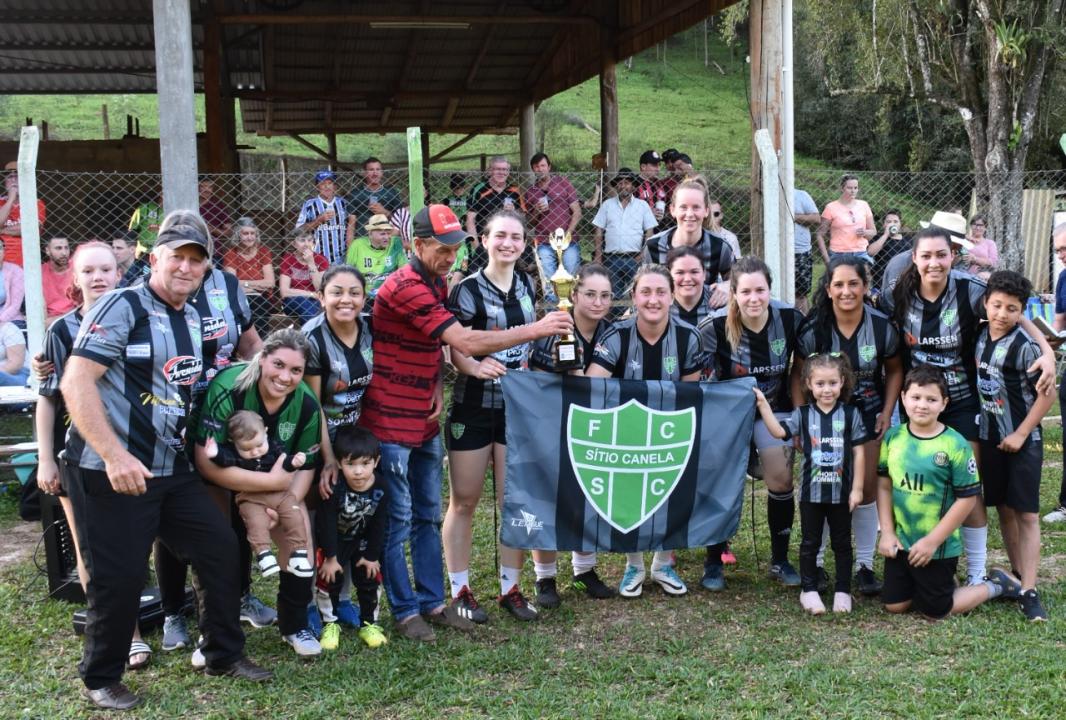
point(409, 318)
point(248, 268)
point(13, 243)
point(55, 286)
point(560, 194)
point(299, 274)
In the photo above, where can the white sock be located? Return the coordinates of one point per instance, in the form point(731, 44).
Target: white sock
point(819, 560)
point(635, 559)
point(545, 570)
point(325, 606)
point(458, 581)
point(582, 562)
point(864, 527)
point(975, 542)
point(508, 578)
point(662, 558)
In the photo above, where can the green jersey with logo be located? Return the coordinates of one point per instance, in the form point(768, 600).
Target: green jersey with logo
point(928, 475)
point(295, 426)
point(376, 263)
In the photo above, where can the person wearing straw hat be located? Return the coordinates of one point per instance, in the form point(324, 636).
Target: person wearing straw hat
point(376, 254)
point(951, 223)
point(625, 222)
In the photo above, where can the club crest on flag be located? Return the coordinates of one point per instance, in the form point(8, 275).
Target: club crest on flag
point(628, 459)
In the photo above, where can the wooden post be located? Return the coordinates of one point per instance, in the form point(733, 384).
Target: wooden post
point(212, 72)
point(766, 63)
point(331, 149)
point(107, 125)
point(608, 102)
point(425, 162)
point(527, 137)
point(172, 23)
point(44, 131)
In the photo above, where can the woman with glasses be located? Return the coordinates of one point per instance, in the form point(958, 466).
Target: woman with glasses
point(841, 322)
point(714, 224)
point(592, 307)
point(848, 222)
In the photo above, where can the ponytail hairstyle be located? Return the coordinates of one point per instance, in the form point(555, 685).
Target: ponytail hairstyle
point(747, 265)
point(834, 361)
point(73, 291)
point(652, 269)
point(909, 280)
point(695, 182)
point(505, 215)
point(845, 177)
point(587, 270)
point(335, 270)
point(821, 315)
point(284, 339)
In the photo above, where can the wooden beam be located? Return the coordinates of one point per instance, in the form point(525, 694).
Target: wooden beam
point(527, 138)
point(608, 102)
point(385, 115)
point(455, 145)
point(670, 10)
point(449, 112)
point(212, 87)
point(316, 149)
point(363, 19)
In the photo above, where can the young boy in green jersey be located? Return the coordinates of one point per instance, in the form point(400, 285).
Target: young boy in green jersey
point(1012, 451)
point(927, 485)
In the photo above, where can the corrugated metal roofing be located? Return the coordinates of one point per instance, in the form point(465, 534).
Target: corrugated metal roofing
point(297, 72)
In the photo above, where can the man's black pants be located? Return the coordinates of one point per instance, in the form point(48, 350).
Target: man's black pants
point(116, 532)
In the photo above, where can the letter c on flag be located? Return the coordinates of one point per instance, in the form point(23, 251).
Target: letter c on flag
point(666, 430)
point(657, 486)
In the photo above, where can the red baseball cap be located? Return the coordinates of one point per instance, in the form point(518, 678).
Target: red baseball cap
point(439, 222)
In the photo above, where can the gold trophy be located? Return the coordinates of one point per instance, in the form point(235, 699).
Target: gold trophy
point(566, 353)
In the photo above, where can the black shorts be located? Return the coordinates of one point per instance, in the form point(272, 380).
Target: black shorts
point(1012, 479)
point(804, 272)
point(963, 418)
point(869, 421)
point(931, 589)
point(474, 428)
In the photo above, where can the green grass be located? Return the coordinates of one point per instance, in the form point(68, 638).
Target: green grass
point(748, 652)
point(679, 103)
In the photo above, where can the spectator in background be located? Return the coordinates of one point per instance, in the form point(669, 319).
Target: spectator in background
point(891, 243)
point(626, 222)
point(56, 278)
point(12, 291)
point(553, 203)
point(457, 198)
point(327, 216)
point(714, 224)
point(301, 276)
point(214, 212)
point(10, 217)
point(132, 269)
point(683, 168)
point(400, 221)
point(1058, 239)
point(805, 213)
point(373, 197)
point(14, 361)
point(848, 222)
point(486, 199)
point(253, 265)
point(376, 255)
point(983, 257)
point(145, 223)
point(669, 160)
point(654, 190)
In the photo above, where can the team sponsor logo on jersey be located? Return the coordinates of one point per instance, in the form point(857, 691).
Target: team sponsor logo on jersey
point(999, 353)
point(183, 369)
point(529, 522)
point(527, 304)
point(777, 346)
point(457, 430)
point(628, 460)
point(368, 356)
point(139, 350)
point(867, 352)
point(940, 459)
point(838, 426)
point(949, 316)
point(971, 465)
point(217, 298)
point(670, 364)
point(214, 328)
point(285, 430)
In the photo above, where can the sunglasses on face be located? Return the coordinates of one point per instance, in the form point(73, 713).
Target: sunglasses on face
point(717, 213)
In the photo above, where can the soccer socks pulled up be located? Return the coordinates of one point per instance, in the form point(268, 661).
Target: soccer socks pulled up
point(661, 558)
point(508, 578)
point(635, 559)
point(459, 580)
point(780, 514)
point(975, 542)
point(545, 570)
point(864, 527)
point(582, 562)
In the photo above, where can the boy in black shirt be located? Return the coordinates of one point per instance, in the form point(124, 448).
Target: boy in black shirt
point(351, 531)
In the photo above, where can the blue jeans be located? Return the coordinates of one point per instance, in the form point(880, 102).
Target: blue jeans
point(17, 379)
point(301, 307)
point(413, 480)
point(549, 261)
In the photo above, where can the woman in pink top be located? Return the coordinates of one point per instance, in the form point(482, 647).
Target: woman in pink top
point(849, 222)
point(12, 291)
point(982, 259)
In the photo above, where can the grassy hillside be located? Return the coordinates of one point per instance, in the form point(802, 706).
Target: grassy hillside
point(673, 103)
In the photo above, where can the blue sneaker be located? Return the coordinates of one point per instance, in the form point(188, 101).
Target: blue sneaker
point(784, 573)
point(314, 621)
point(669, 580)
point(347, 614)
point(632, 584)
point(713, 577)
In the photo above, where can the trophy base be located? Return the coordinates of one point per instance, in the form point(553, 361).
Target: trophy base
point(567, 355)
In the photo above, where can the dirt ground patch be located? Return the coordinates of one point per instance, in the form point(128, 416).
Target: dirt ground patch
point(17, 542)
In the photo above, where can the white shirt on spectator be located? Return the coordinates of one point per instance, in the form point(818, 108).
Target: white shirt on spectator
point(623, 227)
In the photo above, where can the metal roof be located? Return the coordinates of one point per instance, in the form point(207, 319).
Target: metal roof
point(345, 66)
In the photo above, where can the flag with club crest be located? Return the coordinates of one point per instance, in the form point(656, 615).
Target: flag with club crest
point(623, 465)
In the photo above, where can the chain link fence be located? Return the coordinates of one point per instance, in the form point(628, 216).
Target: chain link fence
point(83, 206)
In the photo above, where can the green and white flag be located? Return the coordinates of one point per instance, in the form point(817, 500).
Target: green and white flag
point(623, 465)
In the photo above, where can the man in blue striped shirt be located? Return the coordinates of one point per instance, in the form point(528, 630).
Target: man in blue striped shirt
point(327, 215)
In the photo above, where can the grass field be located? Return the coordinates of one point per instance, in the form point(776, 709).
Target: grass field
point(748, 652)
